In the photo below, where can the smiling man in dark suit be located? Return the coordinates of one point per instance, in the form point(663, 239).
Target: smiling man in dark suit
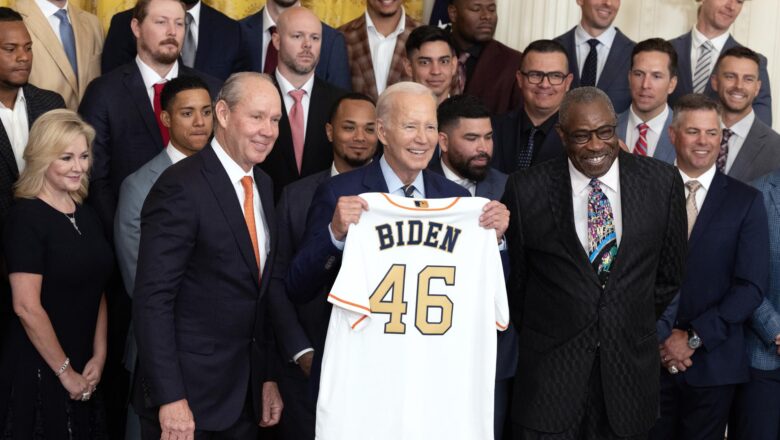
point(596, 43)
point(597, 246)
point(208, 242)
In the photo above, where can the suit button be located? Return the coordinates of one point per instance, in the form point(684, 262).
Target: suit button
point(253, 340)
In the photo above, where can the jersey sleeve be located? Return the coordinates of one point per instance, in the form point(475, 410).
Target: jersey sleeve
point(350, 290)
point(497, 279)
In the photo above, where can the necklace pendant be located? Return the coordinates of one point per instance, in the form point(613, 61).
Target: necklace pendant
point(72, 218)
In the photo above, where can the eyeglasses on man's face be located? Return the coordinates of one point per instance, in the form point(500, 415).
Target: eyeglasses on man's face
point(580, 137)
point(537, 77)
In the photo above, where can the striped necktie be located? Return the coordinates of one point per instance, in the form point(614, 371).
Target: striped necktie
point(703, 67)
point(602, 240)
point(641, 143)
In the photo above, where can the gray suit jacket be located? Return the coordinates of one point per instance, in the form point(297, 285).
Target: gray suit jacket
point(664, 150)
point(127, 230)
point(759, 155)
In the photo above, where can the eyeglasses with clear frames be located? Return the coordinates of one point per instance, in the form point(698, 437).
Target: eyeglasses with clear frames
point(537, 77)
point(580, 137)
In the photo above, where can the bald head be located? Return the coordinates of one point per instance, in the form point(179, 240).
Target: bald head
point(298, 40)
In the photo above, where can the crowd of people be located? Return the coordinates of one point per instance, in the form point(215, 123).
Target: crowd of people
point(177, 197)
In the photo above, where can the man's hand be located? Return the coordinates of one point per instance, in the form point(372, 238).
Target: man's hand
point(348, 211)
point(675, 351)
point(305, 362)
point(777, 342)
point(176, 421)
point(495, 216)
point(272, 405)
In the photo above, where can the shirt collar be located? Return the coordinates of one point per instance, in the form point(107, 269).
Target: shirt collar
point(333, 170)
point(48, 8)
point(267, 21)
point(195, 12)
point(698, 39)
point(656, 124)
point(398, 29)
point(392, 180)
point(286, 87)
point(151, 77)
point(742, 128)
point(580, 182)
point(454, 177)
point(705, 179)
point(174, 154)
point(19, 100)
point(234, 171)
point(581, 36)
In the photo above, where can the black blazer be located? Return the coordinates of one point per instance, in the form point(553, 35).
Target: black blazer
point(199, 308)
point(317, 151)
point(38, 101)
point(561, 311)
point(127, 135)
point(614, 78)
point(507, 141)
point(762, 105)
point(220, 51)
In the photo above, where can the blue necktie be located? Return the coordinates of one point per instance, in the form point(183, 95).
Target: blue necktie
point(409, 191)
point(602, 241)
point(590, 68)
point(68, 40)
point(527, 153)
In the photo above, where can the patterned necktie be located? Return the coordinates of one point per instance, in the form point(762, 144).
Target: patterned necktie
point(271, 54)
point(249, 217)
point(462, 58)
point(690, 203)
point(703, 70)
point(641, 143)
point(157, 111)
point(189, 47)
point(723, 155)
point(296, 125)
point(527, 153)
point(589, 69)
point(409, 191)
point(68, 39)
point(602, 240)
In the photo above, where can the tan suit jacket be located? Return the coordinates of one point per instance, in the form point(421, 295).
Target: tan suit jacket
point(51, 69)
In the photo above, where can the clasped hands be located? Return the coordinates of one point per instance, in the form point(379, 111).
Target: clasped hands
point(81, 386)
point(675, 352)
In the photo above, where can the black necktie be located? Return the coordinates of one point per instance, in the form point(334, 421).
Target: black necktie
point(527, 153)
point(588, 77)
point(409, 191)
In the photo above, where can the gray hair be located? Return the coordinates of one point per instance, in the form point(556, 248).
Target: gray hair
point(582, 95)
point(386, 100)
point(233, 88)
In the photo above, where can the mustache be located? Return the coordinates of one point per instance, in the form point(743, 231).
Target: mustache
point(481, 156)
point(170, 41)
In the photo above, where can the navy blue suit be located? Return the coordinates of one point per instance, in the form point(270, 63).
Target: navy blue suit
point(762, 105)
point(333, 66)
point(219, 53)
point(614, 77)
point(725, 281)
point(664, 150)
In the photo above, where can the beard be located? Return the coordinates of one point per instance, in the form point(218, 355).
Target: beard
point(464, 167)
point(298, 68)
point(160, 56)
point(356, 162)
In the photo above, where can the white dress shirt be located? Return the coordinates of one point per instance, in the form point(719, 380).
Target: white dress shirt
point(288, 100)
point(150, 77)
point(580, 190)
point(382, 49)
point(697, 39)
point(470, 185)
point(705, 180)
point(581, 37)
point(268, 22)
point(16, 127)
point(235, 174)
point(739, 133)
point(195, 12)
point(49, 9)
point(655, 128)
point(175, 155)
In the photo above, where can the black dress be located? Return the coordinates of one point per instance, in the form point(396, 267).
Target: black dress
point(75, 268)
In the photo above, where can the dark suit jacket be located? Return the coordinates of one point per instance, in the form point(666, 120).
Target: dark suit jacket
point(359, 56)
point(127, 134)
point(614, 78)
point(726, 278)
point(507, 141)
point(494, 80)
point(220, 51)
point(318, 260)
point(332, 67)
point(317, 152)
point(664, 150)
point(759, 155)
point(199, 309)
point(682, 45)
point(563, 314)
point(38, 101)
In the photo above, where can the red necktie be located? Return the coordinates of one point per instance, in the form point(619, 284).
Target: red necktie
point(296, 125)
point(640, 147)
point(271, 55)
point(157, 110)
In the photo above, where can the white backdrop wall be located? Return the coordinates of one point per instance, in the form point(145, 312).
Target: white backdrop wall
point(523, 21)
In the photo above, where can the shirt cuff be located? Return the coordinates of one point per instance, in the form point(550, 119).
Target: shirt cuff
point(502, 245)
point(301, 353)
point(339, 244)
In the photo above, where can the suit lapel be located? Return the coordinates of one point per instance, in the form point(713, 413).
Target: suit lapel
point(7, 152)
point(568, 42)
point(39, 25)
point(137, 91)
point(715, 196)
point(631, 208)
point(365, 64)
point(313, 141)
point(730, 42)
point(751, 149)
point(621, 50)
point(774, 194)
point(81, 34)
point(685, 76)
point(397, 72)
point(664, 150)
point(267, 200)
point(374, 180)
point(205, 40)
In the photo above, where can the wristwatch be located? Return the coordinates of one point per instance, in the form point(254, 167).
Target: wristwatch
point(694, 341)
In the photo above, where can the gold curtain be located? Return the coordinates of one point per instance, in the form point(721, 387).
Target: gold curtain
point(333, 12)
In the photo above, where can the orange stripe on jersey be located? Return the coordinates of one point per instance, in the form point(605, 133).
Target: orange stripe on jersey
point(421, 209)
point(359, 321)
point(349, 303)
point(502, 327)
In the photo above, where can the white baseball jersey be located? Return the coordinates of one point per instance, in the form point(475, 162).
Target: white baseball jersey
point(411, 345)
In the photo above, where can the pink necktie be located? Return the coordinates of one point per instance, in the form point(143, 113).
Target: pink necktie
point(296, 125)
point(641, 144)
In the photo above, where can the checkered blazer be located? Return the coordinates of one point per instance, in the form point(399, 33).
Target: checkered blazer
point(359, 55)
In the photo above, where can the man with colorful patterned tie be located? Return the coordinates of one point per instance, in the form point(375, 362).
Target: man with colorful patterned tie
point(653, 76)
point(726, 276)
point(597, 245)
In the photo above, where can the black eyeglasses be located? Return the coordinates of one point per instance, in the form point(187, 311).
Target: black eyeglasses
point(605, 133)
point(536, 77)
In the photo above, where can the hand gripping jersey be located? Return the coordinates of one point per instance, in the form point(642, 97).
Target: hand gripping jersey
point(411, 345)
